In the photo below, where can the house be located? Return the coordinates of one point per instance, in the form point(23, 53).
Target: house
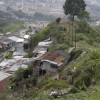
point(6, 44)
point(45, 43)
point(39, 50)
point(42, 47)
point(11, 65)
point(16, 39)
point(4, 77)
point(6, 64)
point(50, 62)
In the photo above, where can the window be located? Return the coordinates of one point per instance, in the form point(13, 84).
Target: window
point(54, 66)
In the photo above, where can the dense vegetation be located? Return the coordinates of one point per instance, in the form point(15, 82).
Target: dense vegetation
point(78, 84)
point(79, 79)
point(61, 34)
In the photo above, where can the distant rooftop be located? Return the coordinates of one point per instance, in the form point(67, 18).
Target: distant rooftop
point(40, 49)
point(16, 67)
point(4, 75)
point(45, 43)
point(6, 40)
point(16, 39)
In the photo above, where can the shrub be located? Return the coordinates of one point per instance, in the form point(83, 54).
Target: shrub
point(81, 37)
point(58, 84)
point(58, 20)
point(73, 90)
point(9, 55)
point(43, 96)
point(20, 75)
point(83, 27)
point(75, 53)
point(29, 55)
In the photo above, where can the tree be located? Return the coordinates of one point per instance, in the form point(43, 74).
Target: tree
point(58, 20)
point(83, 15)
point(83, 27)
point(73, 8)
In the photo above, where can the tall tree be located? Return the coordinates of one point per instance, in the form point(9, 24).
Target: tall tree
point(73, 8)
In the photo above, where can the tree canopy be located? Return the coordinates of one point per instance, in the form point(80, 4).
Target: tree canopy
point(58, 20)
point(83, 15)
point(74, 7)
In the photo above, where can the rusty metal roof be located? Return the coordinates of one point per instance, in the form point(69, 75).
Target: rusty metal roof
point(54, 57)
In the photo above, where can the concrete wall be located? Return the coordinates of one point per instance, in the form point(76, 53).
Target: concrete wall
point(65, 62)
point(47, 66)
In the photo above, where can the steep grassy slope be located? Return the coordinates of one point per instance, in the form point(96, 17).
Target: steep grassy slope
point(58, 32)
point(80, 84)
point(86, 36)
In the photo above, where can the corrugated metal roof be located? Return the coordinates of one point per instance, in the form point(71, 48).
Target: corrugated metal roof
point(5, 40)
point(16, 39)
point(47, 43)
point(40, 50)
point(54, 57)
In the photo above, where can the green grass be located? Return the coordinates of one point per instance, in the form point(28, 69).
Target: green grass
point(10, 27)
point(56, 84)
point(94, 96)
point(9, 55)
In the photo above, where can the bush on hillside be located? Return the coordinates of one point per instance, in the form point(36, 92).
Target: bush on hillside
point(20, 75)
point(29, 55)
point(36, 38)
point(75, 53)
point(9, 55)
point(81, 37)
point(58, 20)
point(73, 90)
point(55, 31)
point(58, 47)
point(83, 27)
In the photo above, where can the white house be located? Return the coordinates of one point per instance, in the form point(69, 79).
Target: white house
point(42, 47)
